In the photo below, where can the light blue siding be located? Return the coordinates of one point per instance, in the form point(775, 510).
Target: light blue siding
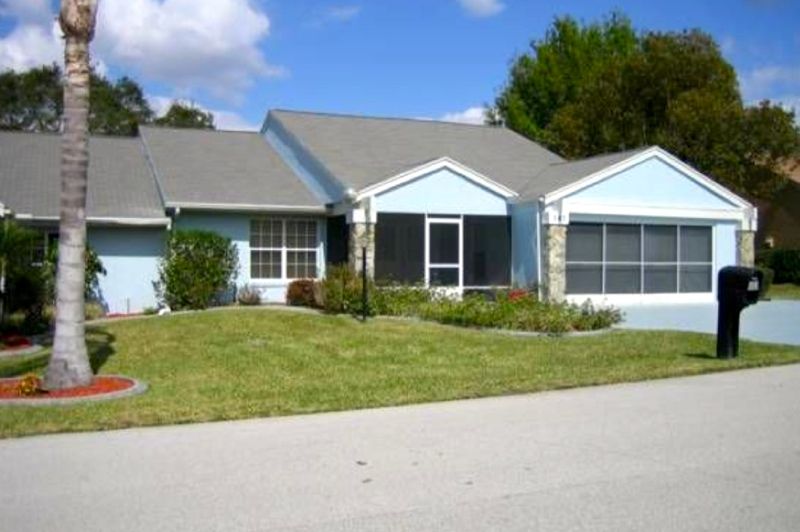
point(130, 257)
point(652, 183)
point(442, 192)
point(237, 228)
point(524, 236)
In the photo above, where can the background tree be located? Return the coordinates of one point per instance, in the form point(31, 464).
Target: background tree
point(69, 363)
point(117, 108)
point(186, 115)
point(590, 89)
point(31, 100)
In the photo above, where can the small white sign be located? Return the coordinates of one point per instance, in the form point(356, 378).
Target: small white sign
point(753, 285)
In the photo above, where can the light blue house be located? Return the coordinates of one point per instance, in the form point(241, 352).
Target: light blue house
point(456, 206)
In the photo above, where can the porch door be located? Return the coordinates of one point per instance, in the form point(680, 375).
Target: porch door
point(443, 252)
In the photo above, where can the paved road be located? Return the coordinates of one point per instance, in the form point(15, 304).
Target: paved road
point(718, 452)
point(768, 321)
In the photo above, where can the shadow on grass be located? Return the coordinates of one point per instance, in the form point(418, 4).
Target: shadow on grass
point(98, 341)
point(702, 356)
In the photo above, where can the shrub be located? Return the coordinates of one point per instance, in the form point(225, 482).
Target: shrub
point(766, 283)
point(149, 311)
point(399, 300)
point(341, 291)
point(784, 262)
point(29, 385)
point(248, 296)
point(300, 293)
point(198, 266)
point(93, 311)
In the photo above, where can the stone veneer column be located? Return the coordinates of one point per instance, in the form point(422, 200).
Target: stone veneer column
point(554, 271)
point(746, 248)
point(361, 235)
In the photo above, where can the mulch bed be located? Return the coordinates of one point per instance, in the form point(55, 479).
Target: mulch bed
point(10, 342)
point(101, 385)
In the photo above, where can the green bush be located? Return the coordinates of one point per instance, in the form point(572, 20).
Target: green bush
point(766, 284)
point(341, 292)
point(198, 267)
point(784, 262)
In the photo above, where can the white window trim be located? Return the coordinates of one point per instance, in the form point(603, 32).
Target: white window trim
point(642, 264)
point(284, 249)
point(453, 220)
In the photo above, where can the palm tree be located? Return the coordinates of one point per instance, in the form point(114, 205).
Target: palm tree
point(69, 364)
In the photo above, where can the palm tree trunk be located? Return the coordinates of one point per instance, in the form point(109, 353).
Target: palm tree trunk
point(69, 364)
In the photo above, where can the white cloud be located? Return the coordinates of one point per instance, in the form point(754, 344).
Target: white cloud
point(334, 14)
point(472, 115)
point(31, 45)
point(727, 44)
point(482, 8)
point(210, 44)
point(767, 82)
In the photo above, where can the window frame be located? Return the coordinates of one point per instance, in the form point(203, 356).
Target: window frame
point(642, 264)
point(284, 249)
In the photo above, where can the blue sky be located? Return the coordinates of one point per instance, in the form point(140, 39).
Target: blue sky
point(413, 58)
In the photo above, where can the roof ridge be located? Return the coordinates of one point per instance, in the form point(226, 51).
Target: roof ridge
point(201, 130)
point(398, 118)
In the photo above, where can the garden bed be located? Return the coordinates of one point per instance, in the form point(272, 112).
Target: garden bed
point(101, 387)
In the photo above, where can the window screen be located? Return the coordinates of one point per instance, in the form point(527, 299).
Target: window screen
point(338, 237)
point(443, 243)
point(487, 251)
point(632, 259)
point(400, 248)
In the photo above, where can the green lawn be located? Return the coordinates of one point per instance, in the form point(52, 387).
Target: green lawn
point(784, 291)
point(253, 362)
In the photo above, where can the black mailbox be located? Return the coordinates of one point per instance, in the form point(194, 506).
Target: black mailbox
point(737, 288)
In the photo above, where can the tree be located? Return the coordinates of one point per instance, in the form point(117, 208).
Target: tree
point(187, 116)
point(16, 248)
point(33, 101)
point(69, 363)
point(117, 108)
point(586, 90)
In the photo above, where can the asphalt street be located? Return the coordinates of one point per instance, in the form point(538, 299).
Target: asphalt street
point(717, 452)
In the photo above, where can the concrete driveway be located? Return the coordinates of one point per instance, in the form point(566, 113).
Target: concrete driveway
point(718, 452)
point(768, 321)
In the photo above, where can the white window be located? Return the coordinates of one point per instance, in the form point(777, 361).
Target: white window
point(635, 259)
point(283, 248)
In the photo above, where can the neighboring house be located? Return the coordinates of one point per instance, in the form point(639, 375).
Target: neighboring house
point(780, 216)
point(457, 206)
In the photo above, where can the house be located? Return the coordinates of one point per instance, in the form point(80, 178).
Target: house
point(779, 225)
point(461, 207)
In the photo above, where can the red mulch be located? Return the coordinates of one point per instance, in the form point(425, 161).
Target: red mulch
point(99, 386)
point(14, 341)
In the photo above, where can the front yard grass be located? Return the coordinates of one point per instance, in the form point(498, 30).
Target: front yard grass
point(246, 363)
point(784, 291)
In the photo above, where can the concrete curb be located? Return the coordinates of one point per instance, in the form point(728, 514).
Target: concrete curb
point(139, 387)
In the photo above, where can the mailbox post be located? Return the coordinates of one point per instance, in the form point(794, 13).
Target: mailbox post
point(737, 288)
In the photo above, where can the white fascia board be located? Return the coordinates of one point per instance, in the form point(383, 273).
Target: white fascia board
point(103, 220)
point(247, 207)
point(644, 211)
point(433, 166)
point(650, 153)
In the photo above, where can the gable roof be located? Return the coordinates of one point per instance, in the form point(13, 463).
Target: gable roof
point(222, 169)
point(362, 151)
point(120, 183)
point(558, 175)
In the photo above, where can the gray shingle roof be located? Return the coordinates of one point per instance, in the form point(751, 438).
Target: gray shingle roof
point(120, 182)
point(361, 151)
point(559, 175)
point(222, 168)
